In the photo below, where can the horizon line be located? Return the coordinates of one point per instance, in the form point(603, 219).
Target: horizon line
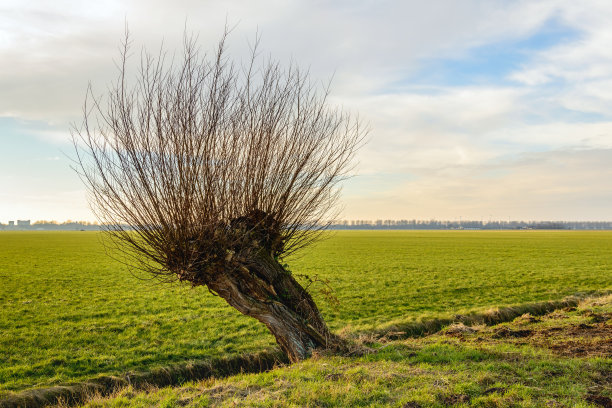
point(345, 221)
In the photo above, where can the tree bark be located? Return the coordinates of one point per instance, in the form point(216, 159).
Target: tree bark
point(266, 291)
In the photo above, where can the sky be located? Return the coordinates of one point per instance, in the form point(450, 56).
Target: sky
point(478, 109)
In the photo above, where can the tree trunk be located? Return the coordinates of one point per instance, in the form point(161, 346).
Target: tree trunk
point(266, 291)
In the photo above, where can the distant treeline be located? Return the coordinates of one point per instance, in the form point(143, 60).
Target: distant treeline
point(365, 225)
point(489, 225)
point(53, 226)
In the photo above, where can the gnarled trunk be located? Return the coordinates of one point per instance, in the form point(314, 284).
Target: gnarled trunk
point(266, 291)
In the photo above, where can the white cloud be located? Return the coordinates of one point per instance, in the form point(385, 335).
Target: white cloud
point(555, 135)
point(430, 131)
point(49, 51)
point(579, 70)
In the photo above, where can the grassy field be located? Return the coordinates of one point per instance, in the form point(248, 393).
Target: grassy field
point(559, 360)
point(69, 312)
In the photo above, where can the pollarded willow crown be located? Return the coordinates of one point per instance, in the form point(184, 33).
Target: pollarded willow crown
point(208, 173)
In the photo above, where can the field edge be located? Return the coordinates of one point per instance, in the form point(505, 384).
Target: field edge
point(75, 393)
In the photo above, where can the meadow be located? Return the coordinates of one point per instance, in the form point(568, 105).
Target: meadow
point(561, 359)
point(70, 312)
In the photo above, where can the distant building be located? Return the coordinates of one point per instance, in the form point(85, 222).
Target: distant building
point(23, 223)
point(11, 223)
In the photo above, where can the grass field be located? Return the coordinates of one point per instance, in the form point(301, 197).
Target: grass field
point(69, 312)
point(562, 359)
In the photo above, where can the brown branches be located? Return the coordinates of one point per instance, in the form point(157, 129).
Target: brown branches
point(197, 159)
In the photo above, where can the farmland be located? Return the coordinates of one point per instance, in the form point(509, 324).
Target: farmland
point(70, 312)
point(557, 360)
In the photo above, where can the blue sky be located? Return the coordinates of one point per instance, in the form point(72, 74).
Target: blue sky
point(493, 63)
point(477, 108)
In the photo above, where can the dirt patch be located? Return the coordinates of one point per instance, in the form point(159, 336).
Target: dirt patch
point(602, 381)
point(505, 332)
point(412, 404)
point(578, 340)
point(453, 399)
point(590, 337)
point(557, 315)
point(597, 317)
point(600, 400)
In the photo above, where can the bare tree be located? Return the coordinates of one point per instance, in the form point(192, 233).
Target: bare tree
point(210, 172)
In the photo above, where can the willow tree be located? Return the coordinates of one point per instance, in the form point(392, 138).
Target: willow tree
point(208, 171)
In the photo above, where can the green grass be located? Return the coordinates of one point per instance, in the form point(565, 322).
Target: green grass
point(69, 312)
point(474, 369)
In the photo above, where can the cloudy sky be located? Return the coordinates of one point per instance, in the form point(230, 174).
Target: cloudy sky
point(478, 109)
